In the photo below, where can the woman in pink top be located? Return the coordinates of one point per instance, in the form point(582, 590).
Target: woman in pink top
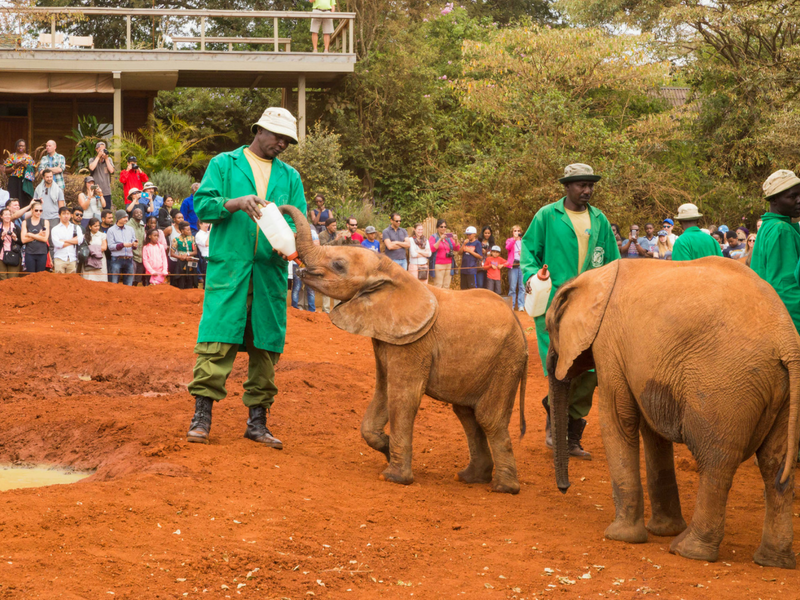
point(154, 259)
point(516, 287)
point(443, 245)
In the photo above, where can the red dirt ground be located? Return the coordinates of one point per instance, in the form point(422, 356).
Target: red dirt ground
point(165, 519)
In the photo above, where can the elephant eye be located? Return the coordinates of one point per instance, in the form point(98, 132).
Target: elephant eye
point(339, 266)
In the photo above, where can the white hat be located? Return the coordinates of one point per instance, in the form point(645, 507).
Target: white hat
point(133, 191)
point(495, 248)
point(150, 185)
point(277, 120)
point(471, 229)
point(687, 212)
point(578, 172)
point(780, 181)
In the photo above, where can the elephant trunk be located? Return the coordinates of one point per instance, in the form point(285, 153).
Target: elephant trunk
point(559, 409)
point(305, 245)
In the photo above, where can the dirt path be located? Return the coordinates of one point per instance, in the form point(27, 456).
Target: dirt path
point(165, 519)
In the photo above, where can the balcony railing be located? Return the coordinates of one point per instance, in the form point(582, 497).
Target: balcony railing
point(175, 27)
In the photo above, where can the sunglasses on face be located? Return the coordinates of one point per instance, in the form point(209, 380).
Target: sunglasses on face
point(37, 210)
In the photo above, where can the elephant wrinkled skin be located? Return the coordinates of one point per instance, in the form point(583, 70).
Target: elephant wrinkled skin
point(465, 348)
point(662, 372)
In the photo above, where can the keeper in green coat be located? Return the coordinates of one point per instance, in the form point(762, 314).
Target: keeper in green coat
point(570, 237)
point(776, 254)
point(244, 308)
point(693, 242)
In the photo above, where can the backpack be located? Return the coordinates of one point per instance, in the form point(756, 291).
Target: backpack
point(82, 252)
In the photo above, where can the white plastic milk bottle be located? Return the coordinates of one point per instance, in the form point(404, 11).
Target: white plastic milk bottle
point(536, 301)
point(277, 230)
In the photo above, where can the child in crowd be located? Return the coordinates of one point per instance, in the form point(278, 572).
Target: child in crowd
point(492, 264)
point(371, 243)
point(202, 238)
point(184, 250)
point(154, 259)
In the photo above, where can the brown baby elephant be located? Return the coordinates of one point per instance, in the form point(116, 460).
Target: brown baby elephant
point(466, 348)
point(663, 374)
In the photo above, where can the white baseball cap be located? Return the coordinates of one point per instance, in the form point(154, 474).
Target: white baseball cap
point(495, 248)
point(471, 229)
point(277, 120)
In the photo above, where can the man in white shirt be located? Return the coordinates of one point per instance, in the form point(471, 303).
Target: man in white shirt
point(66, 238)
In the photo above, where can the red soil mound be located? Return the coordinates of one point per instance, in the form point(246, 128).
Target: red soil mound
point(94, 377)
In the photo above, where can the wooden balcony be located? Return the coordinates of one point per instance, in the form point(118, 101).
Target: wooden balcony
point(187, 48)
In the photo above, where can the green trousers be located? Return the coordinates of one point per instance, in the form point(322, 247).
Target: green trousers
point(215, 362)
point(582, 387)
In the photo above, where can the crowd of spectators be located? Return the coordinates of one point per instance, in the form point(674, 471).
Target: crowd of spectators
point(151, 242)
point(147, 243)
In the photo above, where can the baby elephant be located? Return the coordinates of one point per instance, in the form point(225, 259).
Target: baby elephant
point(466, 348)
point(724, 403)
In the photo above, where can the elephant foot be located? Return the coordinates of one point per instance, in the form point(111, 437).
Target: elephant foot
point(506, 487)
point(622, 531)
point(688, 546)
point(768, 557)
point(666, 526)
point(473, 474)
point(396, 476)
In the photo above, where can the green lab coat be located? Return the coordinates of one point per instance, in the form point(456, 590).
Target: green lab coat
point(775, 259)
point(694, 243)
point(239, 252)
point(551, 241)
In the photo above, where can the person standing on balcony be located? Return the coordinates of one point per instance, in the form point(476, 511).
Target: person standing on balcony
point(101, 168)
point(322, 6)
point(132, 177)
point(54, 161)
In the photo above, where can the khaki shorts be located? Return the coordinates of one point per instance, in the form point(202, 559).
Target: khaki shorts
point(327, 24)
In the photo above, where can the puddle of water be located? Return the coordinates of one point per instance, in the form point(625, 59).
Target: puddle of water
point(12, 478)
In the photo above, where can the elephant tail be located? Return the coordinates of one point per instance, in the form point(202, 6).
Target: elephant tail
point(794, 411)
point(522, 384)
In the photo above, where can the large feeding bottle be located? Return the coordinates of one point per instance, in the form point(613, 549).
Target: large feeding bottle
point(277, 230)
point(536, 301)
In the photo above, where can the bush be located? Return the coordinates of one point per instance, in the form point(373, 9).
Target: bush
point(73, 184)
point(173, 183)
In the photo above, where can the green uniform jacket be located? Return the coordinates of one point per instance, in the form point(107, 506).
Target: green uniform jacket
point(239, 253)
point(775, 259)
point(694, 243)
point(551, 241)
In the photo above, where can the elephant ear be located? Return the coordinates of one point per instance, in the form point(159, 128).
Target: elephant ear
point(392, 307)
point(574, 318)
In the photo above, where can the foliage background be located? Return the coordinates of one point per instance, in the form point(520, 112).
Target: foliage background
point(471, 110)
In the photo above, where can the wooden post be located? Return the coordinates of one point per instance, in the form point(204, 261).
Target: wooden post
point(275, 32)
point(202, 33)
point(53, 31)
point(301, 107)
point(350, 28)
point(128, 38)
point(117, 113)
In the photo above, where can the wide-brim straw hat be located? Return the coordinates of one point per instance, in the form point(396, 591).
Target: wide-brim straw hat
point(780, 181)
point(277, 120)
point(578, 172)
point(133, 191)
point(150, 186)
point(687, 212)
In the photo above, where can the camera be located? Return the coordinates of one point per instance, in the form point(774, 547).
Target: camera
point(105, 151)
point(450, 254)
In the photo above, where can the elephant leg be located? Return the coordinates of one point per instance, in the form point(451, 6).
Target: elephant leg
point(496, 428)
point(480, 465)
point(619, 425)
point(702, 538)
point(377, 415)
point(776, 539)
point(404, 396)
point(662, 487)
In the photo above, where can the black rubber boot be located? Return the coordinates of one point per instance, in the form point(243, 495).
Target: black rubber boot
point(257, 429)
point(548, 435)
point(575, 432)
point(201, 423)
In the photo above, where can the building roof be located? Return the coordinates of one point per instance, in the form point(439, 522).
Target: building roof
point(676, 96)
